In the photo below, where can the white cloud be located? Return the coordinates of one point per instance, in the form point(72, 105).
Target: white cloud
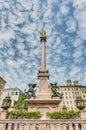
point(74, 71)
point(6, 35)
point(64, 10)
point(11, 51)
point(78, 53)
point(77, 42)
point(20, 46)
point(80, 4)
point(19, 61)
point(80, 16)
point(71, 25)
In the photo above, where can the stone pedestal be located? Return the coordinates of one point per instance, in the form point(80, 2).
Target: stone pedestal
point(43, 105)
point(3, 114)
point(43, 93)
point(83, 114)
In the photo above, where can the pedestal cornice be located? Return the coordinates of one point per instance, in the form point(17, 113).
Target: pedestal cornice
point(43, 74)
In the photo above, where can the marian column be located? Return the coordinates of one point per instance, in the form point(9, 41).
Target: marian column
point(43, 101)
point(43, 75)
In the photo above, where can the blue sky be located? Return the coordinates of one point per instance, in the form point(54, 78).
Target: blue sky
point(20, 49)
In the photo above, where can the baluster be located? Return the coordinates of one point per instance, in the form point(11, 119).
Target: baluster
point(32, 127)
point(27, 127)
point(4, 127)
point(9, 126)
point(64, 127)
point(59, 126)
point(38, 127)
point(76, 127)
point(43, 127)
point(52, 127)
point(71, 127)
point(15, 126)
point(21, 127)
point(83, 127)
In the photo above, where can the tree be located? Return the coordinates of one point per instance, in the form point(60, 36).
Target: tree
point(21, 104)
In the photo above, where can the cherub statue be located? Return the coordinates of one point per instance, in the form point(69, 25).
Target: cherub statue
point(31, 92)
point(54, 91)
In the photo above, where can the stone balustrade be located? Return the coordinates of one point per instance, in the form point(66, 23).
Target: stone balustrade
point(24, 124)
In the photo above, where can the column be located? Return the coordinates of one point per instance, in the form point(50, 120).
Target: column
point(43, 41)
point(15, 126)
point(43, 64)
point(9, 126)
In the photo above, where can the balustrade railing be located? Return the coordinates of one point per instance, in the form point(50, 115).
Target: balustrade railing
point(21, 124)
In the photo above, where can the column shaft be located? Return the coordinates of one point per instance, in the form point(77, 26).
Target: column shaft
point(43, 64)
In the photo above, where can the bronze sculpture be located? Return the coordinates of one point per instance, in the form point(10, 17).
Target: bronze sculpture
point(54, 91)
point(31, 92)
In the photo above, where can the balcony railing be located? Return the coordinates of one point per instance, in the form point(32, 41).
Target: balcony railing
point(24, 124)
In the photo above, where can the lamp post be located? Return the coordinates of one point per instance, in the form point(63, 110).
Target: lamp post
point(80, 103)
point(6, 103)
point(64, 108)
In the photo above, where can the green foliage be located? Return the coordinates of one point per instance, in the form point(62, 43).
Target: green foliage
point(63, 115)
point(21, 104)
point(24, 115)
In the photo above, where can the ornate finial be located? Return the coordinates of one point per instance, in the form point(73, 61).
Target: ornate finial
point(43, 34)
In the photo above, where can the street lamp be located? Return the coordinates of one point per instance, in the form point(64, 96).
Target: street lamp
point(80, 103)
point(64, 108)
point(6, 102)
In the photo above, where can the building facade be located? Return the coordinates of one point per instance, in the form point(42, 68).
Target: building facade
point(14, 93)
point(70, 92)
point(2, 85)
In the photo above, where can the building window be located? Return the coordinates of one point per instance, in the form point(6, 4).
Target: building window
point(68, 88)
point(69, 96)
point(66, 97)
point(14, 93)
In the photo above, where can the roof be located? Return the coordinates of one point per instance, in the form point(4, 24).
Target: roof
point(2, 79)
point(12, 89)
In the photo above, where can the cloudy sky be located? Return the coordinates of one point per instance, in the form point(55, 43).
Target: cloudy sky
point(20, 49)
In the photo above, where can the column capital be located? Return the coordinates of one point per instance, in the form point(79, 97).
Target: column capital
point(43, 39)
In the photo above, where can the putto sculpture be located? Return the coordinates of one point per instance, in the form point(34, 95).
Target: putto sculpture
point(54, 91)
point(31, 91)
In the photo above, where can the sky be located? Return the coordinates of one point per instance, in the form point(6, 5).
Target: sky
point(21, 22)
